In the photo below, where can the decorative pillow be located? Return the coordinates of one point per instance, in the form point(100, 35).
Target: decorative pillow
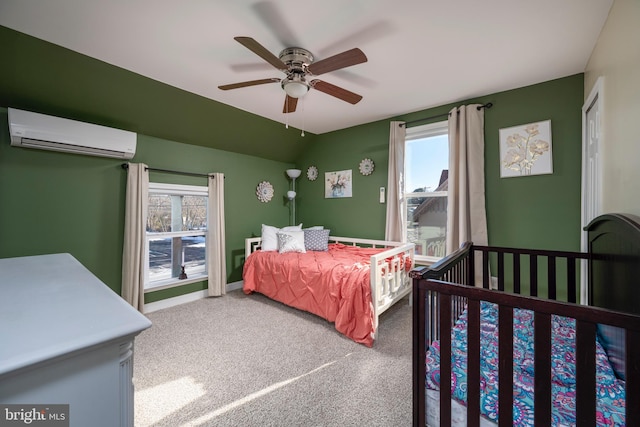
point(292, 227)
point(291, 241)
point(316, 240)
point(270, 239)
point(612, 340)
point(315, 227)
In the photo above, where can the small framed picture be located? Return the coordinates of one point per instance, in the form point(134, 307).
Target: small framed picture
point(337, 184)
point(526, 150)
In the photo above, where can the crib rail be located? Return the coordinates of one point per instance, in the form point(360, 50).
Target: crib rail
point(513, 269)
point(512, 264)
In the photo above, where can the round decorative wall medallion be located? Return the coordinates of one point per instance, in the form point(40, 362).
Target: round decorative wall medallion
point(312, 173)
point(264, 191)
point(366, 167)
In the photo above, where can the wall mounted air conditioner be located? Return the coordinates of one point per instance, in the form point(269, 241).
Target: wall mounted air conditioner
point(35, 130)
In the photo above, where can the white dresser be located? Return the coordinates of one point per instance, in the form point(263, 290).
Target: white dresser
point(66, 338)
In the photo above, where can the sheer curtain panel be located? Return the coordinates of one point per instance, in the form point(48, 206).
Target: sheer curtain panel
point(135, 219)
point(216, 255)
point(394, 229)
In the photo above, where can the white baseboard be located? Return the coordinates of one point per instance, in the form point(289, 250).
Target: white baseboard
point(190, 297)
point(235, 285)
point(170, 302)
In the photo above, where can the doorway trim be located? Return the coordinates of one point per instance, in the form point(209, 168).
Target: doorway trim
point(590, 183)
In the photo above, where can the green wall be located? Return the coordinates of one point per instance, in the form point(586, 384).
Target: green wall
point(540, 211)
point(361, 215)
point(57, 202)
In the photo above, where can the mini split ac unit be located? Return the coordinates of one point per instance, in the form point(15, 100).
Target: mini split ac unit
point(34, 130)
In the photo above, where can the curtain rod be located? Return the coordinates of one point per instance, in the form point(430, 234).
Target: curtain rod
point(203, 175)
point(441, 116)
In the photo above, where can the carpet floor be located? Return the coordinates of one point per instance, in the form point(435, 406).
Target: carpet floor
point(245, 360)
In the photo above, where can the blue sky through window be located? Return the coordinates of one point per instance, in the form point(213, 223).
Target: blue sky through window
point(425, 159)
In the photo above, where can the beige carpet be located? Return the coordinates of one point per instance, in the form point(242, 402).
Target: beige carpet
point(248, 361)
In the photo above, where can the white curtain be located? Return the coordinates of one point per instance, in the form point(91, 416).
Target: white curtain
point(394, 230)
point(466, 215)
point(216, 255)
point(133, 251)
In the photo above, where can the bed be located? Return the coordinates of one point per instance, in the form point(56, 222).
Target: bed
point(502, 328)
point(347, 281)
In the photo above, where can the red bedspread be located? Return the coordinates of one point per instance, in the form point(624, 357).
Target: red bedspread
point(334, 285)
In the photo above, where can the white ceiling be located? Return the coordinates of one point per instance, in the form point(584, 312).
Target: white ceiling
point(421, 53)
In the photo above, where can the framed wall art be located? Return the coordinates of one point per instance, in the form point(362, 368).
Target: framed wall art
point(526, 150)
point(337, 184)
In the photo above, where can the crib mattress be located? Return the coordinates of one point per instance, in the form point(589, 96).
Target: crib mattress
point(610, 405)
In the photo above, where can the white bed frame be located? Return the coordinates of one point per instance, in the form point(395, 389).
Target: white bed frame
point(390, 282)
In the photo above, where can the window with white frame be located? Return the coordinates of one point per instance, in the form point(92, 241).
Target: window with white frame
point(426, 189)
point(176, 235)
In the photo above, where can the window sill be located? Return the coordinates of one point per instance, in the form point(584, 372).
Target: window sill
point(172, 283)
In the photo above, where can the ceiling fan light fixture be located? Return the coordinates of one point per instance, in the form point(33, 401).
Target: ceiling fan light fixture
point(295, 86)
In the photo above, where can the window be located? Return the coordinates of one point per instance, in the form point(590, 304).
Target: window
point(176, 235)
point(426, 178)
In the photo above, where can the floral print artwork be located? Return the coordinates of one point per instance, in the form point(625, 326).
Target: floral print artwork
point(338, 184)
point(526, 150)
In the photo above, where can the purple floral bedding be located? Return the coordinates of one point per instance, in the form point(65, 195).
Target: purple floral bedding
point(610, 404)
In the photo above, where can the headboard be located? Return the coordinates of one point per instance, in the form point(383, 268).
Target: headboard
point(614, 270)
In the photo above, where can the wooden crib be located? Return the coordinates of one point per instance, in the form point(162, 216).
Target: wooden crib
point(543, 284)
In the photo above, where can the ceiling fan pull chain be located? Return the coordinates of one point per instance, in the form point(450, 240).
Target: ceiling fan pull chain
point(303, 121)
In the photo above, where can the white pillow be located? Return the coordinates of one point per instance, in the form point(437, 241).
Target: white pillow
point(291, 241)
point(292, 228)
point(270, 239)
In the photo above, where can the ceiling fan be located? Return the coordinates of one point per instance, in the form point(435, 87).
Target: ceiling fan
point(298, 65)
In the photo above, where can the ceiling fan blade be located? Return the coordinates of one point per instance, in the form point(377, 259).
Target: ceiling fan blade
point(249, 83)
point(336, 62)
point(273, 17)
point(290, 104)
point(261, 51)
point(338, 92)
